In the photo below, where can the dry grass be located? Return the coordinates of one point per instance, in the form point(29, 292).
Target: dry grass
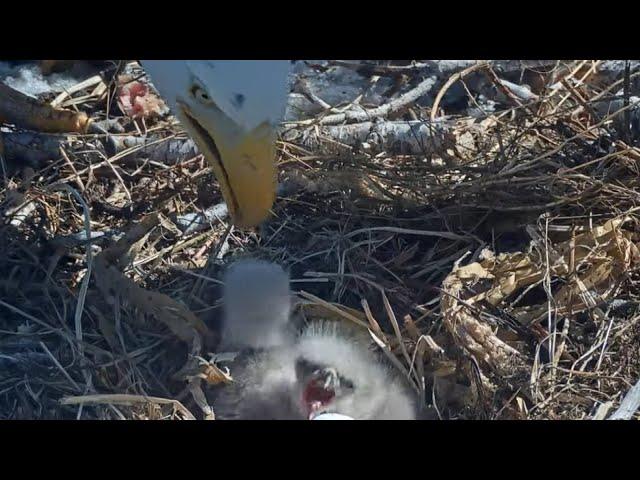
point(370, 239)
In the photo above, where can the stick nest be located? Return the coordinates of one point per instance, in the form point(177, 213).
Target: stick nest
point(497, 269)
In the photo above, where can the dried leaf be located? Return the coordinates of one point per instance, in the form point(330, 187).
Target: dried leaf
point(603, 254)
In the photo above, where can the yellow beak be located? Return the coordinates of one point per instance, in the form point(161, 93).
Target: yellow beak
point(244, 164)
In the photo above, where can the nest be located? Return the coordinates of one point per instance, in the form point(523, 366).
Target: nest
point(494, 260)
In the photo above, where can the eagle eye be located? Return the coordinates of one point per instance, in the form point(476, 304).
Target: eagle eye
point(200, 94)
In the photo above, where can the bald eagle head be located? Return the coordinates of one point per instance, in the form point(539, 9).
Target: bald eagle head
point(231, 109)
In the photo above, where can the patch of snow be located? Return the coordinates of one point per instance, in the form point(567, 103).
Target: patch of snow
point(28, 79)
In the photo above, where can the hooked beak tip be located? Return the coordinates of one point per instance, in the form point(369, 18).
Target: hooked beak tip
point(244, 165)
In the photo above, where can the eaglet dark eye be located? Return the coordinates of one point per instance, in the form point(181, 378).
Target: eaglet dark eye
point(303, 364)
point(346, 383)
point(306, 366)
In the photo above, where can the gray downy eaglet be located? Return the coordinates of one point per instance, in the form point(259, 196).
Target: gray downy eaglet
point(281, 374)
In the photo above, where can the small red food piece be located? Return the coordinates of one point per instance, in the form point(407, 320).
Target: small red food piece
point(137, 101)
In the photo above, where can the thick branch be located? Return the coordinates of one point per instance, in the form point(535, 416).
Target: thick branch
point(35, 148)
point(26, 112)
point(405, 138)
point(364, 115)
